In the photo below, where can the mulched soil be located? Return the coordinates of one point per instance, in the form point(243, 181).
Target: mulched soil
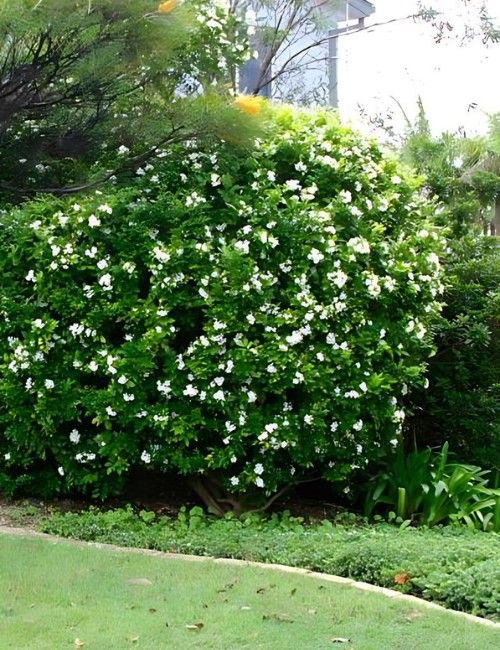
point(165, 497)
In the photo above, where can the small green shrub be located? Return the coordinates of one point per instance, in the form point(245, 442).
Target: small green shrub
point(427, 488)
point(453, 566)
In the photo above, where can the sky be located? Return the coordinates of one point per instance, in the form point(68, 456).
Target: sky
point(401, 62)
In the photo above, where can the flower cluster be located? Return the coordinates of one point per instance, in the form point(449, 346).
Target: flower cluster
point(259, 318)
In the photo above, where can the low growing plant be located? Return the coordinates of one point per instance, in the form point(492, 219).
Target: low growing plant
point(426, 488)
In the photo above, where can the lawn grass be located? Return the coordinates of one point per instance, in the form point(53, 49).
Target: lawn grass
point(53, 593)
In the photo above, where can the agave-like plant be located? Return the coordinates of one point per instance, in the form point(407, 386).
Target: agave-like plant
point(423, 487)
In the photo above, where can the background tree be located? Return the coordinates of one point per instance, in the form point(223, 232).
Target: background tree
point(76, 75)
point(462, 403)
point(291, 38)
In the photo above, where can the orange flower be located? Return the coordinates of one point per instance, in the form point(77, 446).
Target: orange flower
point(166, 7)
point(249, 104)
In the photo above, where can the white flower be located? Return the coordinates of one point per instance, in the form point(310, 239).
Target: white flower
point(219, 396)
point(345, 196)
point(74, 436)
point(219, 325)
point(145, 457)
point(410, 327)
point(29, 383)
point(357, 426)
point(399, 415)
point(105, 280)
point(395, 180)
point(330, 339)
point(334, 426)
point(160, 255)
point(102, 264)
point(263, 436)
point(110, 411)
point(300, 166)
point(394, 442)
point(293, 185)
point(242, 246)
point(258, 469)
point(421, 331)
point(76, 329)
point(308, 419)
point(36, 224)
point(93, 366)
point(315, 256)
point(271, 176)
point(91, 252)
point(122, 379)
point(30, 277)
point(94, 222)
point(359, 245)
point(363, 386)
point(60, 471)
point(372, 284)
point(38, 323)
point(389, 283)
point(320, 356)
point(234, 480)
point(49, 384)
point(105, 208)
point(251, 396)
point(298, 378)
point(190, 391)
point(123, 150)
point(7, 456)
point(339, 278)
point(128, 397)
point(251, 319)
point(271, 368)
point(214, 179)
point(294, 338)
point(329, 161)
point(164, 387)
point(259, 482)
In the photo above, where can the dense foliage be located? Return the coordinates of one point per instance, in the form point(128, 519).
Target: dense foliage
point(455, 567)
point(462, 405)
point(252, 320)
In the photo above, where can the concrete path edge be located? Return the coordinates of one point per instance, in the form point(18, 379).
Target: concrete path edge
point(326, 577)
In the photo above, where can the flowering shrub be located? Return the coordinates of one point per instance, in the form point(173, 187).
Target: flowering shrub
point(255, 319)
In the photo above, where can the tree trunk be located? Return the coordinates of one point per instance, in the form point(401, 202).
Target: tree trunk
point(495, 224)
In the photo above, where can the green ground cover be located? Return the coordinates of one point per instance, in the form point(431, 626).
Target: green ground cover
point(56, 595)
point(453, 566)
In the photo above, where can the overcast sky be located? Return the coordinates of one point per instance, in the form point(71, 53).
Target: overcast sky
point(402, 60)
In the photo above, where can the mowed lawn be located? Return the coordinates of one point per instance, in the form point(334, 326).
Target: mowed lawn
point(56, 595)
